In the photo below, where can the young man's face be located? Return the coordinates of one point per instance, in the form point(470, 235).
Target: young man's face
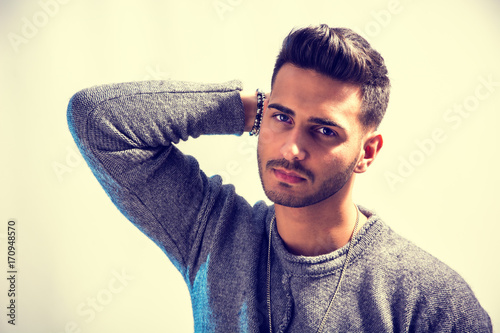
point(310, 140)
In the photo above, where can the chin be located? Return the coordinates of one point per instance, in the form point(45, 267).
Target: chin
point(294, 201)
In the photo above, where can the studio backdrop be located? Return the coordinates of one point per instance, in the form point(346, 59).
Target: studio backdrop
point(70, 262)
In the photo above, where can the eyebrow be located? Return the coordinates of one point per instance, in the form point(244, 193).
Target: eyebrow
point(316, 120)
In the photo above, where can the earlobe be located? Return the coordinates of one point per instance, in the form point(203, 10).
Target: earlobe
point(370, 151)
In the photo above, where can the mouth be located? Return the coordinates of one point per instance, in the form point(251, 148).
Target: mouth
point(289, 177)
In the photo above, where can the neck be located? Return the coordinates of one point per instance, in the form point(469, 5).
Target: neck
point(320, 228)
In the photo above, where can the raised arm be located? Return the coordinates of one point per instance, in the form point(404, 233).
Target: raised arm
point(126, 134)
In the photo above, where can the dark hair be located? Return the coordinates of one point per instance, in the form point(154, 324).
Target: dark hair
point(341, 54)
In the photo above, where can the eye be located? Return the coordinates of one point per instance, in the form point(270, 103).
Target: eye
point(326, 131)
point(283, 118)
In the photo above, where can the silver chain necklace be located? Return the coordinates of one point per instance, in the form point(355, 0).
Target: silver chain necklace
point(329, 308)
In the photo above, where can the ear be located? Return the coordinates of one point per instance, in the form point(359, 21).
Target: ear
point(372, 146)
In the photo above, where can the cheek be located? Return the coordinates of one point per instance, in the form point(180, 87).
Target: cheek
point(331, 163)
point(266, 136)
point(264, 146)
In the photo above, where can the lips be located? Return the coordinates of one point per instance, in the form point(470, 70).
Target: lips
point(288, 176)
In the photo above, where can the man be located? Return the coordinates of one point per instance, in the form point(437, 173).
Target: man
point(312, 262)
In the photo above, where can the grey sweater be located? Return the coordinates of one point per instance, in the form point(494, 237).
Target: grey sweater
point(218, 241)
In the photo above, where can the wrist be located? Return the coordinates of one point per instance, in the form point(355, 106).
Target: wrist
point(249, 100)
point(254, 110)
point(261, 97)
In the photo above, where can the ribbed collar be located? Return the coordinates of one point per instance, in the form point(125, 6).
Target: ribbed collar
point(326, 263)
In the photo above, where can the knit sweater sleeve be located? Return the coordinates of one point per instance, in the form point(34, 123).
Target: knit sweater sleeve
point(127, 134)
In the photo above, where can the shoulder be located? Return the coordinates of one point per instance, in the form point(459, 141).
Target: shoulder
point(428, 292)
point(391, 251)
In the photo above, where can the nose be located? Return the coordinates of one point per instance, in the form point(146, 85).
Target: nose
point(294, 147)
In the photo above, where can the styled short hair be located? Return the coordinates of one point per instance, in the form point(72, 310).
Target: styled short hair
point(341, 54)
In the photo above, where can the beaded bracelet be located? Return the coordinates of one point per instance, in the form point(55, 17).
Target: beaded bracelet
point(261, 97)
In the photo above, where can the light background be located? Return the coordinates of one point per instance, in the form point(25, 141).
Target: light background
point(72, 242)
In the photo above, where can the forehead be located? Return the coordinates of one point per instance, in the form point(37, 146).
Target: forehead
point(310, 93)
